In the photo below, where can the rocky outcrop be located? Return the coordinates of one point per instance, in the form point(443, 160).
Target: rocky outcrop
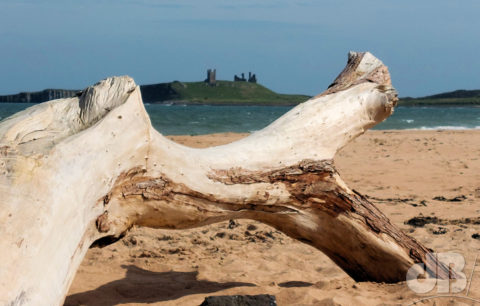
point(39, 96)
point(159, 92)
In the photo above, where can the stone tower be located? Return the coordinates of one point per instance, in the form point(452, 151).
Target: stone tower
point(211, 77)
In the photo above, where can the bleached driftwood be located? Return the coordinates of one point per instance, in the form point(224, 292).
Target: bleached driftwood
point(77, 170)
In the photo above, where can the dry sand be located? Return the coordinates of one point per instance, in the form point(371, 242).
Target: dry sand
point(401, 171)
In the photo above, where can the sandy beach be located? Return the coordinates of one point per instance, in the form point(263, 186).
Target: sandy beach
point(407, 174)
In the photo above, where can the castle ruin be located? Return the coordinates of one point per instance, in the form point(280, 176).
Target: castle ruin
point(252, 78)
point(211, 77)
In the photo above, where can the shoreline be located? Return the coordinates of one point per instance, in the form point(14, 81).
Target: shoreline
point(389, 131)
point(244, 103)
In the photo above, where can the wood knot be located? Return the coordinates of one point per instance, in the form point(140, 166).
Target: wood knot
point(4, 150)
point(415, 255)
point(106, 199)
point(102, 223)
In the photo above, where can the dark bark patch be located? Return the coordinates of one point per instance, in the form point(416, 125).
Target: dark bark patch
point(102, 223)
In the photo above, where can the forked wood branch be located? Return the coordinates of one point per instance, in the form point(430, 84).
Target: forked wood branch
point(73, 171)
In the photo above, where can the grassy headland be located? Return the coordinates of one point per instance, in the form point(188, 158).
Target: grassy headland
point(225, 92)
point(452, 98)
point(245, 93)
point(236, 93)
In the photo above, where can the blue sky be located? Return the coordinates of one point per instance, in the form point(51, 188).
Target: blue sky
point(293, 46)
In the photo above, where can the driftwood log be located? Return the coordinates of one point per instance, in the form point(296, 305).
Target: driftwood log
point(78, 170)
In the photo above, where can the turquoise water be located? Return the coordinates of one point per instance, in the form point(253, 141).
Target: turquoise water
point(206, 119)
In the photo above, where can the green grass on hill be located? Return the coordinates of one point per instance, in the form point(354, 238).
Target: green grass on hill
point(440, 101)
point(457, 97)
point(225, 92)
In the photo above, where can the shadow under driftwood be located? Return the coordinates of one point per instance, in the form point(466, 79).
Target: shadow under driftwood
point(142, 286)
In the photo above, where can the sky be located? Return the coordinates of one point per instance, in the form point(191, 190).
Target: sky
point(293, 46)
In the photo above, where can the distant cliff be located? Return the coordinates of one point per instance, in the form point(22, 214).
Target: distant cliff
point(160, 92)
point(39, 96)
point(457, 97)
point(222, 92)
point(234, 93)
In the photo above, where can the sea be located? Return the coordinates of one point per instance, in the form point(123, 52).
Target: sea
point(208, 119)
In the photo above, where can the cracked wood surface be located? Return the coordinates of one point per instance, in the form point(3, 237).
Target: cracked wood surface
point(316, 193)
